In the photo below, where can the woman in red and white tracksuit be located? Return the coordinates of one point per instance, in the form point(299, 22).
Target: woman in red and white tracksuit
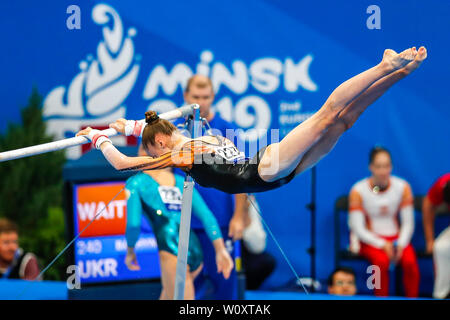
point(381, 220)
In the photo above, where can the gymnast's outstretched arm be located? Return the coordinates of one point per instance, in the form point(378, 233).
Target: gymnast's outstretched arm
point(180, 159)
point(122, 162)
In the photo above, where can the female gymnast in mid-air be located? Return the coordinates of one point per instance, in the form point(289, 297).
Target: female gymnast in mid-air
point(215, 162)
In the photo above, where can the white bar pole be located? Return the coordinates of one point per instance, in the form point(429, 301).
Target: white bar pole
point(185, 220)
point(75, 141)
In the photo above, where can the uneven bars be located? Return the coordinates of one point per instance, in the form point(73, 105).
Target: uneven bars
point(75, 141)
point(195, 127)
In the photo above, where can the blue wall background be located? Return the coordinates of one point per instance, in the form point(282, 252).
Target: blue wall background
point(411, 119)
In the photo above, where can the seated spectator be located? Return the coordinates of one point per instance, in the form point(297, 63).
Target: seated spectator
point(375, 204)
point(258, 263)
point(342, 282)
point(14, 262)
point(437, 196)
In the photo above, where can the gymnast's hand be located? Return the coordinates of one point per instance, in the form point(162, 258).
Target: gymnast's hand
point(95, 136)
point(119, 125)
point(85, 132)
point(88, 133)
point(223, 260)
point(131, 260)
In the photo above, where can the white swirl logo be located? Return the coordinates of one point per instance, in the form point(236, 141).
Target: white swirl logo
point(96, 93)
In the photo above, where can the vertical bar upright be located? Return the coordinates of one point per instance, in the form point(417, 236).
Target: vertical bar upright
point(195, 127)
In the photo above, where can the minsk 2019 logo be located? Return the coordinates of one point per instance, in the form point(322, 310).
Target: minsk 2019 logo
point(96, 95)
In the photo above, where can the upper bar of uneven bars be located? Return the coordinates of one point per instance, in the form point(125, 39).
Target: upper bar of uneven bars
point(75, 141)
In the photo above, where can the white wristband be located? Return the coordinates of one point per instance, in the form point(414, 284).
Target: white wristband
point(135, 128)
point(92, 134)
point(100, 140)
point(97, 138)
point(129, 127)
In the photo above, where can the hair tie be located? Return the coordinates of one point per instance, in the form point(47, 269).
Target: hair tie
point(153, 118)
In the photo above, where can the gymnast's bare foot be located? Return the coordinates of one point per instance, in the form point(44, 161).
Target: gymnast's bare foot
point(413, 65)
point(398, 60)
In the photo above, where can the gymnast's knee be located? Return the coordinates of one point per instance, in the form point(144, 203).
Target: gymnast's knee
point(339, 126)
point(336, 119)
point(344, 123)
point(328, 120)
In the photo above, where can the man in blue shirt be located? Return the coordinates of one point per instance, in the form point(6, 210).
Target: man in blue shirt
point(231, 211)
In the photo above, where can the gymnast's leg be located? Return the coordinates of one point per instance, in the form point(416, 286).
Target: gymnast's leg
point(168, 263)
point(282, 158)
point(351, 113)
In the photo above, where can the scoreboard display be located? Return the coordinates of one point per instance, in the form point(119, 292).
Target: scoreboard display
point(101, 248)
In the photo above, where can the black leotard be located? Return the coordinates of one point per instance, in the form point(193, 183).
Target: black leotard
point(213, 170)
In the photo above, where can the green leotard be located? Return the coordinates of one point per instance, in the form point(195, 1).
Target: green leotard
point(146, 195)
